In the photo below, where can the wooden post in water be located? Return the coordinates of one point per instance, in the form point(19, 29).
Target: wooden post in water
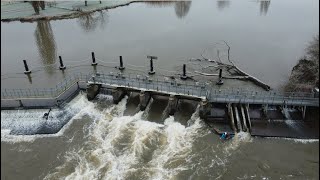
point(62, 67)
point(121, 64)
point(27, 71)
point(94, 63)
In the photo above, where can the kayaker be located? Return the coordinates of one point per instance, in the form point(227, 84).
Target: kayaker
point(225, 136)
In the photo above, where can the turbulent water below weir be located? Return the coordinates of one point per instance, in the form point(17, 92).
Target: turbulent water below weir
point(106, 141)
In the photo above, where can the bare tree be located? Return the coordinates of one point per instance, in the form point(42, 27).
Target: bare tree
point(89, 21)
point(234, 71)
point(264, 6)
point(312, 51)
point(182, 8)
point(37, 5)
point(160, 3)
point(223, 4)
point(46, 43)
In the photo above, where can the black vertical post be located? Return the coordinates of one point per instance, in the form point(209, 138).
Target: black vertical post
point(27, 71)
point(61, 64)
point(184, 76)
point(100, 2)
point(93, 59)
point(151, 64)
point(85, 3)
point(121, 63)
point(151, 67)
point(220, 82)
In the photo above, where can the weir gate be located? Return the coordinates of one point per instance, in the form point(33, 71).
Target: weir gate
point(263, 113)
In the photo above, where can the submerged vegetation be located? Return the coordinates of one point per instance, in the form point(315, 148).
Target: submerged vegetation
point(305, 75)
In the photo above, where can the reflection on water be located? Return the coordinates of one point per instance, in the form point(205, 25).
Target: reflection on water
point(223, 4)
point(264, 6)
point(242, 27)
point(182, 8)
point(46, 44)
point(89, 22)
point(29, 78)
point(160, 3)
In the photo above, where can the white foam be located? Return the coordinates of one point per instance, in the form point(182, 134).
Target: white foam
point(303, 141)
point(117, 143)
point(104, 96)
point(5, 132)
point(77, 107)
point(238, 139)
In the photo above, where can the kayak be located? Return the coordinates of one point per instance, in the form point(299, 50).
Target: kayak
point(225, 136)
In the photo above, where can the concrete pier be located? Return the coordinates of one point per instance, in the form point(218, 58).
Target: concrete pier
point(243, 119)
point(231, 117)
point(144, 99)
point(92, 91)
point(118, 94)
point(237, 118)
point(172, 105)
point(247, 115)
point(204, 109)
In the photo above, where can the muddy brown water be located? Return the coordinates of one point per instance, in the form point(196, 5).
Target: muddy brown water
point(104, 141)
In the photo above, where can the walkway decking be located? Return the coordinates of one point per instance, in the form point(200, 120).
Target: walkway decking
point(202, 90)
point(187, 89)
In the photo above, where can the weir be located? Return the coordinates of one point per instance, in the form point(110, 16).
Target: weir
point(239, 111)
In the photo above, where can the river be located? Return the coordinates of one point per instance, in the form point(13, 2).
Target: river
point(106, 141)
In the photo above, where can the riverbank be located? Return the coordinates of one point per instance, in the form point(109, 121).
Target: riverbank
point(305, 74)
point(23, 11)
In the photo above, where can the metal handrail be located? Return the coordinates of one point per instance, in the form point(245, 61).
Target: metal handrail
point(158, 83)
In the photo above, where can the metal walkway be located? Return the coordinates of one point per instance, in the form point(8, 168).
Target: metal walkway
point(160, 85)
point(203, 90)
